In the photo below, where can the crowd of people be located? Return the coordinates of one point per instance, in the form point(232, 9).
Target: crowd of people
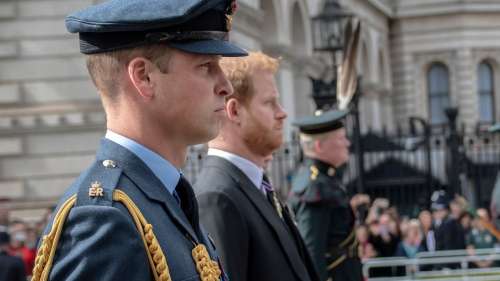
point(447, 225)
point(18, 242)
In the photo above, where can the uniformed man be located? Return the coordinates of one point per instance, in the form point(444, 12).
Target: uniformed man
point(132, 215)
point(319, 199)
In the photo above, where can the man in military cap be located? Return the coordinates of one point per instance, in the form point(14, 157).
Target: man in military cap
point(132, 215)
point(319, 200)
point(256, 236)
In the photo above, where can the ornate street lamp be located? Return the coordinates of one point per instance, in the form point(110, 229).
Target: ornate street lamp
point(329, 28)
point(329, 36)
point(332, 33)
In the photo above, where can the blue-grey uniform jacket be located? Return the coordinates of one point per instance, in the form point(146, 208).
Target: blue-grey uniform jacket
point(100, 240)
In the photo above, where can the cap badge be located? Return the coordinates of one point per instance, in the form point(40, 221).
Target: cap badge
point(231, 9)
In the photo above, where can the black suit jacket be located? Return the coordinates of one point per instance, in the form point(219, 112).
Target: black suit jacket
point(252, 240)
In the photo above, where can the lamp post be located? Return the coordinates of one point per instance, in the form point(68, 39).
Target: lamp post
point(328, 30)
point(329, 35)
point(453, 155)
point(427, 145)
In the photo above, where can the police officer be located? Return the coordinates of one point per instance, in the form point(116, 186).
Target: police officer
point(319, 199)
point(132, 215)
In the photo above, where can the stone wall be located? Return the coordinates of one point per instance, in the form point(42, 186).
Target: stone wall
point(50, 117)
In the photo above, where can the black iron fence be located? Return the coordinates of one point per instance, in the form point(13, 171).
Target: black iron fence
point(405, 166)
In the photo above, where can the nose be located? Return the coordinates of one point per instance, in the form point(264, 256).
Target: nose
point(224, 86)
point(347, 142)
point(281, 114)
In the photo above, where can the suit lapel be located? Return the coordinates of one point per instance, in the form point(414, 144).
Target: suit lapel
point(262, 205)
point(146, 181)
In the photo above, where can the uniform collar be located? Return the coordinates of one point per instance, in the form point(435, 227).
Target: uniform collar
point(161, 168)
point(252, 171)
point(321, 167)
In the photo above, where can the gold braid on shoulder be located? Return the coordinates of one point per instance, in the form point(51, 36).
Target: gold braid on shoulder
point(46, 252)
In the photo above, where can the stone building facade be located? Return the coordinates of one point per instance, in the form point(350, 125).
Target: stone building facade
point(51, 120)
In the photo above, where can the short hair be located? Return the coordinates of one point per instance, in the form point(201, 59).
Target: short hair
point(102, 67)
point(307, 141)
point(240, 70)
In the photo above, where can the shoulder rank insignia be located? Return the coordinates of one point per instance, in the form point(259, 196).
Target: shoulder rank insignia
point(314, 172)
point(96, 190)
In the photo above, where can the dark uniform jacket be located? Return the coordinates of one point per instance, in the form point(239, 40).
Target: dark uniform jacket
point(253, 242)
point(11, 268)
point(100, 240)
point(325, 220)
point(450, 235)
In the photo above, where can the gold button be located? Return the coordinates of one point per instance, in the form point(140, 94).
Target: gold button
point(331, 171)
point(109, 164)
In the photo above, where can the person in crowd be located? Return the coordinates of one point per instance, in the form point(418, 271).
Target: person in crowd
point(325, 214)
point(365, 248)
point(379, 206)
point(361, 207)
point(480, 238)
point(385, 238)
point(428, 238)
point(466, 222)
point(11, 267)
point(411, 243)
point(19, 245)
point(445, 224)
point(254, 231)
point(132, 215)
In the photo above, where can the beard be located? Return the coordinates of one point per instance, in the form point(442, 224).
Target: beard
point(260, 139)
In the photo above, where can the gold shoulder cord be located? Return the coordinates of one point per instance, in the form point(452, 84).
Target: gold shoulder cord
point(45, 254)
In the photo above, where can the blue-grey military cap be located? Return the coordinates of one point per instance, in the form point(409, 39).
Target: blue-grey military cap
point(195, 26)
point(321, 122)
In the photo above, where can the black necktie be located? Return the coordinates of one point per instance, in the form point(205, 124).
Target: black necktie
point(188, 203)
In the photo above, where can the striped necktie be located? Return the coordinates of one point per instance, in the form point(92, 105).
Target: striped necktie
point(272, 197)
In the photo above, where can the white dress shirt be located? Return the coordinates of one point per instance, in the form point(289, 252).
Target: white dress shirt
point(252, 171)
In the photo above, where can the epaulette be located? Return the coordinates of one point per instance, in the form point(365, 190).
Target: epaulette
point(312, 186)
point(98, 186)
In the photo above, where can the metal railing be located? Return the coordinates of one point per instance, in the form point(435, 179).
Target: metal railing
point(438, 266)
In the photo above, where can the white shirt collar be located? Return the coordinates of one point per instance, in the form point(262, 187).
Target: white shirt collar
point(252, 171)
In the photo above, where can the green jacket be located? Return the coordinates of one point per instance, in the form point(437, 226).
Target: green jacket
point(324, 215)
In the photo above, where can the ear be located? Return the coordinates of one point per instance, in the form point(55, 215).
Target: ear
point(233, 110)
point(139, 71)
point(318, 146)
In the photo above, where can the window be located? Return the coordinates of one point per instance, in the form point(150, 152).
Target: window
point(485, 89)
point(438, 86)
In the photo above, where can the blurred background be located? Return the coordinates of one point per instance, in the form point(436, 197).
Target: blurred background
point(428, 77)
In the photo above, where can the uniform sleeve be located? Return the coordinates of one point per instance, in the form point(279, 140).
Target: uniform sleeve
point(313, 224)
point(224, 223)
point(100, 243)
